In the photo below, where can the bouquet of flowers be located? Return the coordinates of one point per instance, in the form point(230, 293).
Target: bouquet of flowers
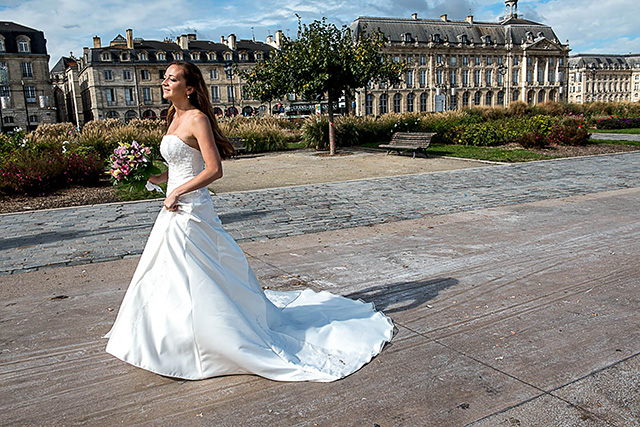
point(132, 165)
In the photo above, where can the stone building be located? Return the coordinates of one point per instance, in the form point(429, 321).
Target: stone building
point(455, 64)
point(66, 91)
point(604, 78)
point(123, 79)
point(25, 86)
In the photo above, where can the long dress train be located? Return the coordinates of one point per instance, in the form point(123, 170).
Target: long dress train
point(195, 309)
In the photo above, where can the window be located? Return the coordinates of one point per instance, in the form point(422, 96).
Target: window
point(106, 56)
point(5, 91)
point(161, 74)
point(178, 56)
point(213, 74)
point(516, 95)
point(453, 77)
point(144, 74)
point(112, 114)
point(540, 96)
point(439, 77)
point(111, 96)
point(529, 75)
point(423, 78)
point(143, 56)
point(126, 74)
point(108, 75)
point(488, 39)
point(33, 118)
point(489, 60)
point(409, 78)
point(515, 76)
point(423, 102)
point(368, 104)
point(146, 96)
point(410, 98)
point(561, 61)
point(453, 61)
point(436, 38)
point(409, 60)
point(500, 60)
point(227, 56)
point(124, 56)
point(23, 45)
point(476, 78)
point(489, 99)
point(161, 56)
point(551, 75)
point(230, 93)
point(397, 100)
point(465, 60)
point(259, 56)
point(465, 78)
point(464, 39)
point(500, 78)
point(129, 96)
point(423, 60)
point(243, 56)
point(26, 69)
point(500, 98)
point(515, 60)
point(476, 98)
point(30, 94)
point(476, 60)
point(383, 103)
point(488, 76)
point(439, 59)
point(195, 56)
point(529, 61)
point(465, 99)
point(7, 120)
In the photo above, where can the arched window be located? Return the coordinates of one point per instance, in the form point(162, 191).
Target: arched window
point(423, 102)
point(516, 96)
point(195, 56)
point(112, 114)
point(500, 98)
point(368, 104)
point(540, 96)
point(217, 111)
point(247, 111)
point(164, 113)
point(178, 56)
point(106, 56)
point(465, 99)
point(161, 56)
point(410, 98)
point(143, 56)
point(129, 115)
point(212, 56)
point(244, 56)
point(227, 56)
point(476, 98)
point(149, 114)
point(384, 100)
point(397, 101)
point(124, 56)
point(489, 99)
point(24, 44)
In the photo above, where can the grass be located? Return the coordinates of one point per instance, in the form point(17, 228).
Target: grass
point(632, 131)
point(615, 142)
point(493, 154)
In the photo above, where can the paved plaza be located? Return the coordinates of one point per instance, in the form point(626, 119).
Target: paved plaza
point(514, 290)
point(108, 232)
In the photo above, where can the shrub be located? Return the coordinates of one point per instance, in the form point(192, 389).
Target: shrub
point(618, 123)
point(533, 140)
point(518, 109)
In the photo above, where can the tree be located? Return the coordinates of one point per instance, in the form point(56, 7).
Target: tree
point(323, 61)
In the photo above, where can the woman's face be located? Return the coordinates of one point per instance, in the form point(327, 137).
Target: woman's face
point(174, 85)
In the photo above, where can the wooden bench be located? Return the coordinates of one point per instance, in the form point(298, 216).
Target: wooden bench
point(238, 145)
point(414, 141)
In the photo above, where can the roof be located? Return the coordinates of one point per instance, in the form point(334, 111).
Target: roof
point(604, 60)
point(12, 26)
point(512, 30)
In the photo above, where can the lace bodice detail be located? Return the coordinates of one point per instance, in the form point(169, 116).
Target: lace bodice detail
point(185, 162)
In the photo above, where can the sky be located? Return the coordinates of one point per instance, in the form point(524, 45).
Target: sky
point(591, 26)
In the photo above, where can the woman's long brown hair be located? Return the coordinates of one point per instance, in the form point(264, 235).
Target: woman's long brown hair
point(202, 102)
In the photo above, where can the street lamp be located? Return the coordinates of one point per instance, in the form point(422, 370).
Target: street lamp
point(502, 70)
point(228, 68)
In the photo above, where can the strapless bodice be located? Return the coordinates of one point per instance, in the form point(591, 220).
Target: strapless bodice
point(185, 162)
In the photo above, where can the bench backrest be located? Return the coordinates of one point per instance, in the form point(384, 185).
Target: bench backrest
point(412, 138)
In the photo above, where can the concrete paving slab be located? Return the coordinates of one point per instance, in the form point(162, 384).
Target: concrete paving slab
point(453, 284)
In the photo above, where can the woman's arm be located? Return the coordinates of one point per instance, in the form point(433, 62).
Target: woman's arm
point(159, 179)
point(213, 164)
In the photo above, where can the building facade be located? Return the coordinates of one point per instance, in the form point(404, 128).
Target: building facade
point(604, 78)
point(456, 64)
point(123, 80)
point(25, 86)
point(66, 91)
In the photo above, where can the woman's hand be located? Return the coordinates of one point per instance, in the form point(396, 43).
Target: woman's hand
point(171, 202)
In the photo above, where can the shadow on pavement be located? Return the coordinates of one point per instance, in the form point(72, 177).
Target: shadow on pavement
point(402, 296)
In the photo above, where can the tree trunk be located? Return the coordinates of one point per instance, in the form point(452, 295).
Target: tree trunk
point(332, 129)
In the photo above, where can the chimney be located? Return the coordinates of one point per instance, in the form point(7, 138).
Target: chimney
point(232, 42)
point(191, 36)
point(270, 39)
point(96, 42)
point(183, 42)
point(129, 38)
point(279, 38)
point(443, 17)
point(469, 19)
point(414, 16)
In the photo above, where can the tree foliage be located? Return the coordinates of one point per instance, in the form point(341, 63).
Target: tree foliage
point(324, 60)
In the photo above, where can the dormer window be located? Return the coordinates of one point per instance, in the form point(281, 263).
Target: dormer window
point(178, 56)
point(161, 56)
point(436, 38)
point(195, 56)
point(487, 39)
point(464, 39)
point(212, 56)
point(258, 56)
point(143, 56)
point(24, 45)
point(227, 56)
point(124, 56)
point(406, 37)
point(243, 56)
point(106, 56)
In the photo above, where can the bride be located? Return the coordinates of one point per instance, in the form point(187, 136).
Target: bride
point(195, 309)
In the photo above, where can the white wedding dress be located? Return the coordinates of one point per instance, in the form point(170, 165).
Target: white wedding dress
point(195, 309)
